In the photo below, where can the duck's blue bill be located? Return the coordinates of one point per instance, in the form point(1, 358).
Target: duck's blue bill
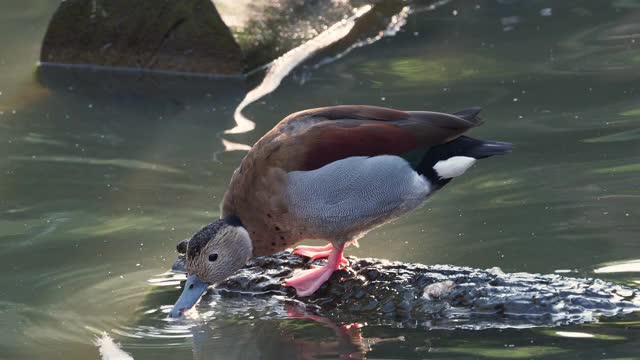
point(193, 290)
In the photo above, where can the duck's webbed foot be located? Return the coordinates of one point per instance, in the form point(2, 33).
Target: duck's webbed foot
point(306, 282)
point(318, 252)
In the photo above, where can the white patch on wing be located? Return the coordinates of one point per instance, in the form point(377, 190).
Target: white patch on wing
point(453, 166)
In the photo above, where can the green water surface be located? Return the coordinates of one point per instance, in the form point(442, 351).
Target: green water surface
point(98, 182)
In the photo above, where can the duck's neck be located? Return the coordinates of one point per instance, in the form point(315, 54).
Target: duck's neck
point(233, 220)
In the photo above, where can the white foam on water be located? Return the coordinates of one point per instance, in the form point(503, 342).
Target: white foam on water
point(109, 349)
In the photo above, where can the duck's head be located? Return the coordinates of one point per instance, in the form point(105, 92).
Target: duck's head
point(214, 253)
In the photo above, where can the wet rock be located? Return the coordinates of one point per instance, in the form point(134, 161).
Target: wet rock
point(190, 36)
point(438, 290)
point(266, 30)
point(181, 36)
point(376, 290)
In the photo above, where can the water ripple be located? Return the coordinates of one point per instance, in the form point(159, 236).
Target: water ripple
point(123, 163)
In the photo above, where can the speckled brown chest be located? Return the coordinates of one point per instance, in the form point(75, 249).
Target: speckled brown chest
point(256, 195)
point(261, 207)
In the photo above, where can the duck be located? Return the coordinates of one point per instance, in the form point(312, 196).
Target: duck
point(331, 173)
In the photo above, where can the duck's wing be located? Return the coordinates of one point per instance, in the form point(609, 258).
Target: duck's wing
point(313, 138)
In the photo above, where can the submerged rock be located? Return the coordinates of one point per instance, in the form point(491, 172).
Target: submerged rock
point(379, 291)
point(181, 36)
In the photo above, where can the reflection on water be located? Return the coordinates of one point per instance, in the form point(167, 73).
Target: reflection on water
point(99, 181)
point(282, 66)
point(126, 163)
point(626, 266)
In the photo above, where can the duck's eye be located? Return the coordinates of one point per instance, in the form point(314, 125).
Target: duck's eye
point(213, 257)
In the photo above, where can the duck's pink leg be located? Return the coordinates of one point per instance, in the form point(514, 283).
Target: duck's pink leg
point(318, 252)
point(306, 282)
point(311, 251)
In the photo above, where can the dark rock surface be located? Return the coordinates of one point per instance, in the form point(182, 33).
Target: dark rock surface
point(181, 36)
point(379, 291)
point(274, 27)
point(190, 36)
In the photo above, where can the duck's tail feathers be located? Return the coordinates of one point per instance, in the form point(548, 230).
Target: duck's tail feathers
point(470, 114)
point(443, 162)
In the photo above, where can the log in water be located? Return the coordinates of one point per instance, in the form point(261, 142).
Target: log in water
point(436, 296)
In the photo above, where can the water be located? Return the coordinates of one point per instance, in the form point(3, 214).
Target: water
point(98, 184)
